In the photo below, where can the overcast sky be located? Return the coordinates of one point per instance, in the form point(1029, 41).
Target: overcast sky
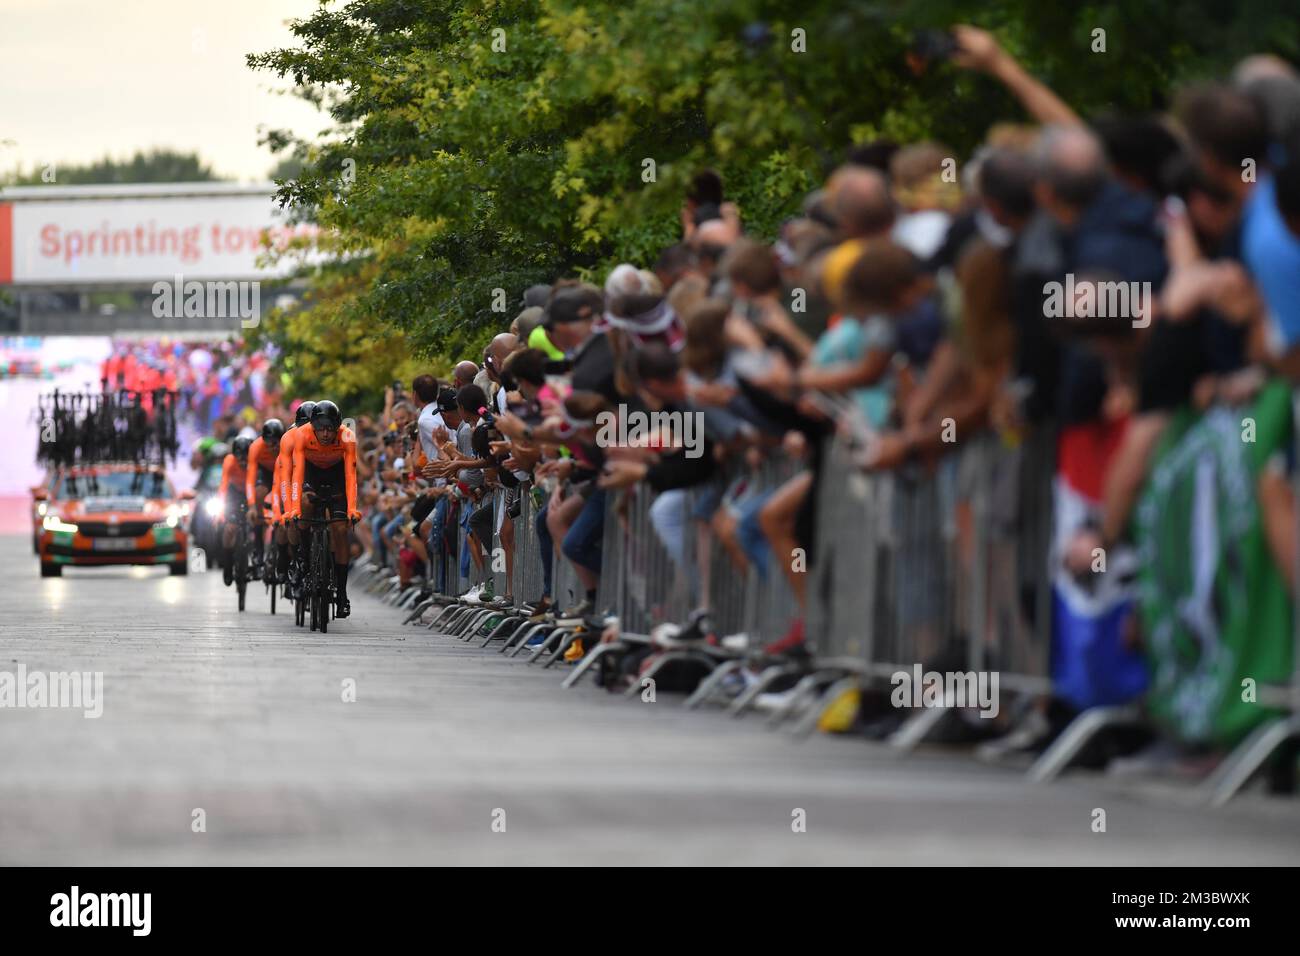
point(81, 78)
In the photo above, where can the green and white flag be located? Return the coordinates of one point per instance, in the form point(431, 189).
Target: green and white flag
point(1215, 608)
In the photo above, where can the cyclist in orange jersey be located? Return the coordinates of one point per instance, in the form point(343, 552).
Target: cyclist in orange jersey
point(282, 477)
point(325, 477)
point(231, 493)
point(260, 482)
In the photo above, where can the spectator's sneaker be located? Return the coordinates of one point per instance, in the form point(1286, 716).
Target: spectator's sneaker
point(575, 614)
point(736, 642)
point(536, 608)
point(501, 600)
point(488, 592)
point(472, 595)
point(342, 608)
point(537, 617)
point(791, 643)
point(698, 628)
point(536, 641)
point(575, 652)
point(665, 635)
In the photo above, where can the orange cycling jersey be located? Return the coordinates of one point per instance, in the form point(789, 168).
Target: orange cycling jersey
point(284, 470)
point(307, 448)
point(260, 455)
point(232, 472)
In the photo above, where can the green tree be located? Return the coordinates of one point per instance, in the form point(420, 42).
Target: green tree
point(482, 145)
point(152, 166)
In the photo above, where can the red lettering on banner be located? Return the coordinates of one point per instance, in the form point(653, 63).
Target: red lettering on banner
point(50, 241)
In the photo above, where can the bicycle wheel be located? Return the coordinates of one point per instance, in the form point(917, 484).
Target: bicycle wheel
point(241, 562)
point(313, 595)
point(303, 569)
point(323, 582)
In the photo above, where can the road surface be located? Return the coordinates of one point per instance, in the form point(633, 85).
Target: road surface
point(242, 717)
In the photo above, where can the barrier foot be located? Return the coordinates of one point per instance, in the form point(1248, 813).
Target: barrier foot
point(556, 631)
point(516, 641)
point(565, 644)
point(806, 724)
point(1076, 736)
point(589, 660)
point(417, 612)
point(765, 680)
point(917, 727)
point(514, 620)
point(791, 704)
point(1246, 758)
point(711, 683)
point(682, 654)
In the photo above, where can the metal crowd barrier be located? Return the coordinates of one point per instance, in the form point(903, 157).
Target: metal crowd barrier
point(942, 565)
point(644, 584)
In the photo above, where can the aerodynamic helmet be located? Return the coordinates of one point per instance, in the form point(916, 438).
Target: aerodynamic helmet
point(326, 412)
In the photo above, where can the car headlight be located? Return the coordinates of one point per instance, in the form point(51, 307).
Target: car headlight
point(174, 515)
point(52, 522)
point(42, 508)
point(214, 507)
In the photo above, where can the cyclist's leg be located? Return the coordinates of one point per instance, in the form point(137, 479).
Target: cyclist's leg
point(258, 518)
point(338, 531)
point(281, 537)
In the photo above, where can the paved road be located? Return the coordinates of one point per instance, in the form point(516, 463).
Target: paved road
point(243, 717)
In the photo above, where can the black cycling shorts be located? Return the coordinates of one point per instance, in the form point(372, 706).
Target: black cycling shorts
point(265, 478)
point(328, 485)
point(235, 500)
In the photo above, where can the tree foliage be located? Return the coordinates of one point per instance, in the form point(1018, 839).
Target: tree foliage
point(481, 145)
point(152, 166)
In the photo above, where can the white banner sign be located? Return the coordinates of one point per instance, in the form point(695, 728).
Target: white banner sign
point(147, 239)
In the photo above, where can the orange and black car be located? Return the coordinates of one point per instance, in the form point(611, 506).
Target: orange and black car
point(113, 514)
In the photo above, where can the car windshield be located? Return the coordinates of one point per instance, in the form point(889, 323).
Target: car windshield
point(115, 484)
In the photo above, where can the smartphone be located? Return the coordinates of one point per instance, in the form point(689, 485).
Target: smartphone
point(931, 45)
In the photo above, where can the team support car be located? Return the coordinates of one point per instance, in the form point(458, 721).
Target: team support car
point(113, 514)
point(40, 503)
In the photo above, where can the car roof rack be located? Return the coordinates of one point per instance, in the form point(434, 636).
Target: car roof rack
point(115, 426)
